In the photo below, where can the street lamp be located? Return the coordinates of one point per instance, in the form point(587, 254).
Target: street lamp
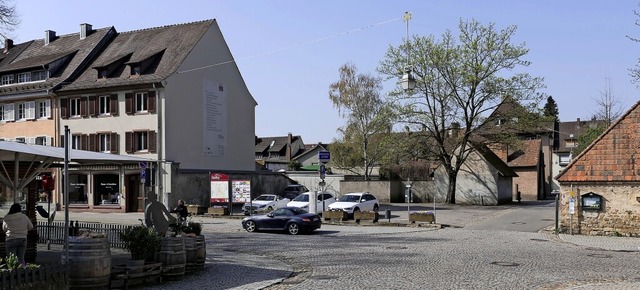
point(408, 82)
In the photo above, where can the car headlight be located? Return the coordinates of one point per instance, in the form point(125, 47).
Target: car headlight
point(348, 208)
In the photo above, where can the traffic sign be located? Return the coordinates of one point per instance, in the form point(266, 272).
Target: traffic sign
point(143, 165)
point(323, 171)
point(324, 156)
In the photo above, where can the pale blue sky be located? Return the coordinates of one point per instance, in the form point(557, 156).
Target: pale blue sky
point(290, 51)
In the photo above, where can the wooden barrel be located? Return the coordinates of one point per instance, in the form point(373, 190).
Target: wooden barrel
point(191, 254)
point(173, 258)
point(89, 263)
point(201, 252)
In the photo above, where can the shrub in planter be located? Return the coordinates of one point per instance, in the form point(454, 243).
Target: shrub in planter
point(141, 241)
point(194, 228)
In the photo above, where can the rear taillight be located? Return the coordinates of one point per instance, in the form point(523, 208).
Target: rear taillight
point(306, 220)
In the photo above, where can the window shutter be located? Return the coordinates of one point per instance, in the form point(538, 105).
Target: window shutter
point(8, 112)
point(113, 104)
point(128, 142)
point(94, 142)
point(30, 110)
point(47, 105)
point(93, 106)
point(61, 144)
point(83, 107)
point(84, 142)
point(152, 141)
point(30, 140)
point(114, 142)
point(64, 110)
point(128, 98)
point(151, 100)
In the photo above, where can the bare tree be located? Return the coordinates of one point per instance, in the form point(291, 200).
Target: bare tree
point(9, 18)
point(635, 72)
point(608, 107)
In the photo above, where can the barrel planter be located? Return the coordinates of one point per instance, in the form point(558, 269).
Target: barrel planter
point(201, 252)
point(89, 263)
point(191, 254)
point(173, 258)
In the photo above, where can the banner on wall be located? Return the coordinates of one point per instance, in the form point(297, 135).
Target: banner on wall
point(241, 190)
point(219, 188)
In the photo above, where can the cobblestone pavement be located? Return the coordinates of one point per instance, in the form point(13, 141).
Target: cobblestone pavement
point(384, 257)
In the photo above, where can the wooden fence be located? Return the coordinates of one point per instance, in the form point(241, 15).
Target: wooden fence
point(55, 232)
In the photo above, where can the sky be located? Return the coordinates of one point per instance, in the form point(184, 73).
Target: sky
point(289, 52)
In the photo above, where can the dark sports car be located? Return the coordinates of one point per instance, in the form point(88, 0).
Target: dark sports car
point(290, 219)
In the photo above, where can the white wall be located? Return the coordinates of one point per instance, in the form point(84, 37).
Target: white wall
point(184, 118)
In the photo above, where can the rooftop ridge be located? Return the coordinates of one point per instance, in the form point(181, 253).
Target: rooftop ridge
point(167, 26)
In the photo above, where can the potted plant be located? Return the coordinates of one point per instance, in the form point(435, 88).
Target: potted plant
point(141, 241)
point(192, 229)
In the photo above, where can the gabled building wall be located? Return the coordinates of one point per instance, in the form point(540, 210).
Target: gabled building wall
point(223, 139)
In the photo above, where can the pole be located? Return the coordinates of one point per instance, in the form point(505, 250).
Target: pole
point(557, 214)
point(66, 195)
point(49, 220)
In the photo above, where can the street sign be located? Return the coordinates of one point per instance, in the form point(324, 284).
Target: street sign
point(323, 171)
point(143, 165)
point(143, 174)
point(324, 156)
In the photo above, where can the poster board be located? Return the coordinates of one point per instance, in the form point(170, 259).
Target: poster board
point(219, 188)
point(241, 190)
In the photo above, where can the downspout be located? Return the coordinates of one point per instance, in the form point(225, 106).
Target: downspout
point(159, 149)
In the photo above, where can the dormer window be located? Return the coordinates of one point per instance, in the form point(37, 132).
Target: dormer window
point(39, 75)
point(7, 80)
point(24, 77)
point(136, 69)
point(103, 73)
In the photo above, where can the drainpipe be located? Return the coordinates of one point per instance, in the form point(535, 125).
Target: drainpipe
point(159, 148)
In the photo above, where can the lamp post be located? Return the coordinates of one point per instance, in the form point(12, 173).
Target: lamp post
point(407, 81)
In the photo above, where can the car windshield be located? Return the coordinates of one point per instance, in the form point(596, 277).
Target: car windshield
point(265, 197)
point(350, 198)
point(302, 197)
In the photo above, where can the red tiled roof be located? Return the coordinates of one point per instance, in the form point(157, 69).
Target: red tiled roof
point(613, 156)
point(528, 155)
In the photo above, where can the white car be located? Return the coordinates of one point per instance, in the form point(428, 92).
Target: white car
point(356, 201)
point(264, 203)
point(302, 201)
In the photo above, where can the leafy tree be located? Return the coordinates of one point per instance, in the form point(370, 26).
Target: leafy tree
point(608, 106)
point(550, 109)
point(357, 97)
point(457, 83)
point(294, 165)
point(8, 18)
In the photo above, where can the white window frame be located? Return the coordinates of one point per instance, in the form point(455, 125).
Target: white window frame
point(104, 141)
point(141, 102)
point(7, 80)
point(39, 75)
point(21, 139)
point(104, 105)
point(2, 119)
point(43, 109)
point(74, 107)
point(564, 159)
point(9, 114)
point(76, 141)
point(141, 141)
point(43, 140)
point(26, 111)
point(24, 77)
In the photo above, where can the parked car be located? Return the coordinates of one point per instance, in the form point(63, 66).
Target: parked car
point(293, 220)
point(264, 203)
point(302, 201)
point(293, 190)
point(356, 201)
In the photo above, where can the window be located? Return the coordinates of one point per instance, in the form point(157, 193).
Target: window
point(7, 112)
point(40, 75)
point(25, 111)
point(2, 113)
point(75, 107)
point(103, 73)
point(24, 77)
point(44, 109)
point(565, 160)
point(21, 139)
point(141, 102)
point(104, 105)
point(7, 80)
point(76, 142)
point(135, 69)
point(43, 140)
point(104, 142)
point(140, 142)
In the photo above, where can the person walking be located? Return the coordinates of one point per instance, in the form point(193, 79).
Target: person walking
point(16, 225)
point(182, 212)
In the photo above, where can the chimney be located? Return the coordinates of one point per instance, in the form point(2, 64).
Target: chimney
point(85, 30)
point(8, 44)
point(289, 140)
point(49, 36)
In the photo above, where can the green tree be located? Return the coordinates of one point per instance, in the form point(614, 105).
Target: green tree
point(357, 98)
point(457, 83)
point(550, 109)
point(586, 137)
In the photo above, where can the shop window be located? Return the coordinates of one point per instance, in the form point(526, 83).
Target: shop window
point(77, 189)
point(105, 189)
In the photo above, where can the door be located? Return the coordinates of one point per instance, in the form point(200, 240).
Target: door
point(135, 196)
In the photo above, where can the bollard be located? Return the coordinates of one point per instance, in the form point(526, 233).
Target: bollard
point(387, 214)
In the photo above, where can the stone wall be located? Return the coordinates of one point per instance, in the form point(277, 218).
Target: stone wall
point(620, 214)
point(527, 183)
point(312, 179)
point(391, 191)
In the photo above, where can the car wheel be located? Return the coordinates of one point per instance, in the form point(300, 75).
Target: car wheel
point(375, 208)
point(270, 208)
point(250, 226)
point(293, 229)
